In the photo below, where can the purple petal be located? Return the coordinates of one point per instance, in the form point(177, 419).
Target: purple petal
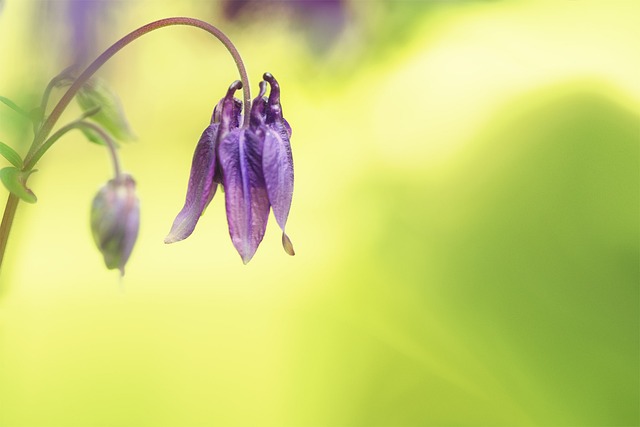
point(201, 188)
point(246, 197)
point(236, 113)
point(258, 115)
point(274, 117)
point(277, 167)
point(227, 112)
point(277, 161)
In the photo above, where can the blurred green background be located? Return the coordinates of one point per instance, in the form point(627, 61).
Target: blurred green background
point(466, 221)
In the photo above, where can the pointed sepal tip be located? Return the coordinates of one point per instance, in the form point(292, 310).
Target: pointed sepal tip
point(287, 245)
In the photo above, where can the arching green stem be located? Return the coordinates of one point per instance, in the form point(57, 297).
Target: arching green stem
point(116, 47)
point(41, 142)
point(7, 221)
point(79, 124)
point(64, 75)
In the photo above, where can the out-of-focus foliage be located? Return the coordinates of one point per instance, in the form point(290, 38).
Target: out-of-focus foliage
point(10, 154)
point(465, 218)
point(96, 94)
point(14, 180)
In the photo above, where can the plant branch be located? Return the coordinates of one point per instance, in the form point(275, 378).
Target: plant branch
point(7, 222)
point(124, 41)
point(78, 124)
point(41, 142)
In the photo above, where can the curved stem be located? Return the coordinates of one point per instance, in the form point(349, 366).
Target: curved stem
point(111, 145)
point(78, 124)
point(7, 222)
point(12, 201)
point(47, 91)
point(117, 46)
point(41, 143)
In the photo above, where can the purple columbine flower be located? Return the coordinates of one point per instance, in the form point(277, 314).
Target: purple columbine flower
point(254, 165)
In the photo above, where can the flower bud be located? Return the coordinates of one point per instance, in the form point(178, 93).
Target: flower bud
point(115, 218)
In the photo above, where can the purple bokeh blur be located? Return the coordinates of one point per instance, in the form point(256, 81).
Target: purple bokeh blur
point(84, 17)
point(321, 21)
point(73, 29)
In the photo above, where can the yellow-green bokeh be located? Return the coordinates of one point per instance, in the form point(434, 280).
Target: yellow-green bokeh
point(465, 220)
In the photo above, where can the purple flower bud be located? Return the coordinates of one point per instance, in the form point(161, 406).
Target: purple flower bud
point(115, 219)
point(254, 165)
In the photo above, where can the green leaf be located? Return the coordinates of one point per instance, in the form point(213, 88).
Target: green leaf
point(11, 155)
point(95, 94)
point(15, 181)
point(9, 103)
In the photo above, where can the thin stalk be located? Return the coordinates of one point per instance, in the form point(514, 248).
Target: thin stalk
point(79, 124)
point(64, 75)
point(7, 222)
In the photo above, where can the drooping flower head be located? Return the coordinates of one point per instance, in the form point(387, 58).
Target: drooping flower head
point(254, 165)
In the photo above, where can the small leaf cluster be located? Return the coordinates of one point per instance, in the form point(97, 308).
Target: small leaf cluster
point(99, 104)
